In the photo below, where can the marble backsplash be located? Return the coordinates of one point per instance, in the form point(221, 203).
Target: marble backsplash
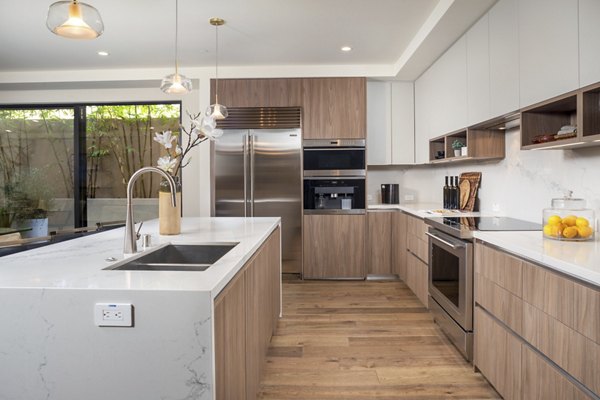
point(520, 185)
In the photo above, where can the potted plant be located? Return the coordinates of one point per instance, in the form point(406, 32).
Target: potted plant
point(457, 145)
point(28, 198)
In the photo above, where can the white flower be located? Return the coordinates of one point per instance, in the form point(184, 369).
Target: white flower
point(208, 127)
point(167, 164)
point(165, 138)
point(178, 150)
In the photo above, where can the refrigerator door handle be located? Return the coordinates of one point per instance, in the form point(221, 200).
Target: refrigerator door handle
point(245, 146)
point(251, 140)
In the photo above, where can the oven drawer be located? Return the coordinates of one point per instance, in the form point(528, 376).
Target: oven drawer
point(462, 340)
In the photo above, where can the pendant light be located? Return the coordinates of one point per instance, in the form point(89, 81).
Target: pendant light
point(74, 20)
point(176, 83)
point(217, 111)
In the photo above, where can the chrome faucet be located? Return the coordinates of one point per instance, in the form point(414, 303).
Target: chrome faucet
point(130, 245)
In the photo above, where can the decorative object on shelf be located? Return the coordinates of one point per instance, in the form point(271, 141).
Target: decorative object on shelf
point(201, 129)
point(439, 155)
point(542, 139)
point(74, 20)
point(464, 151)
point(565, 132)
point(569, 220)
point(457, 145)
point(473, 179)
point(217, 111)
point(28, 200)
point(176, 83)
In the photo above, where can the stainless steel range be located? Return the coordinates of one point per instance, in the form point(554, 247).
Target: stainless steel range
point(451, 271)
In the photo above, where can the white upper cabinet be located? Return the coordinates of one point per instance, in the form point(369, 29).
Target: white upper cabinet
point(379, 123)
point(504, 58)
point(548, 49)
point(589, 41)
point(449, 100)
point(478, 72)
point(390, 123)
point(424, 97)
point(403, 123)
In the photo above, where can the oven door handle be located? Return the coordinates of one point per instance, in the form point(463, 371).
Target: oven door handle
point(452, 245)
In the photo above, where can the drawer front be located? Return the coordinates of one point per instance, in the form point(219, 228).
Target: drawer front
point(500, 268)
point(418, 247)
point(541, 381)
point(586, 316)
point(549, 292)
point(498, 301)
point(417, 277)
point(498, 355)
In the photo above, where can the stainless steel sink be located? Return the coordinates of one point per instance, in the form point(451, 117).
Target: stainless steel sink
point(177, 257)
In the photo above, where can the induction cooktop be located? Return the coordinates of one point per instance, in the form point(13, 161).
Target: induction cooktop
point(463, 227)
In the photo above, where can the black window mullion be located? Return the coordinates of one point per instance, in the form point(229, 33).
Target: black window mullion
point(80, 166)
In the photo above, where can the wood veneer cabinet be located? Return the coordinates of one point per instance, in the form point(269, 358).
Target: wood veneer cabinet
point(556, 319)
point(417, 258)
point(334, 108)
point(279, 92)
point(334, 246)
point(246, 313)
point(379, 243)
point(399, 235)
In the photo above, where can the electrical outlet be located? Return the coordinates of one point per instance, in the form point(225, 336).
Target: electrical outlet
point(108, 314)
point(496, 207)
point(409, 197)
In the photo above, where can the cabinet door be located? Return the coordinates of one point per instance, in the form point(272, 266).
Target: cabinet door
point(423, 111)
point(498, 355)
point(589, 32)
point(334, 108)
point(548, 49)
point(403, 123)
point(379, 123)
point(334, 246)
point(417, 274)
point(258, 92)
point(379, 242)
point(230, 340)
point(478, 72)
point(504, 58)
point(399, 252)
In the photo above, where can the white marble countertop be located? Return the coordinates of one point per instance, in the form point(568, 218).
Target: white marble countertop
point(80, 263)
point(577, 259)
point(423, 210)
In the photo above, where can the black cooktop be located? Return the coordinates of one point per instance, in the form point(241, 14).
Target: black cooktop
point(463, 227)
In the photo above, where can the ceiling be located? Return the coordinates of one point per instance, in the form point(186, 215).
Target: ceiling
point(140, 33)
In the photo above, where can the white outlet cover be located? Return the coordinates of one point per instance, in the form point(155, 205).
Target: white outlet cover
point(113, 314)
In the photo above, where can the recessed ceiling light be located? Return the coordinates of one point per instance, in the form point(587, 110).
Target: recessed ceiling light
point(103, 53)
point(346, 48)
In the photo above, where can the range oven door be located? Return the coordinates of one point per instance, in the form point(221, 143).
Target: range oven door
point(451, 276)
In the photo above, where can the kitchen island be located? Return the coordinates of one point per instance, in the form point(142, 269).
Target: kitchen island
point(51, 346)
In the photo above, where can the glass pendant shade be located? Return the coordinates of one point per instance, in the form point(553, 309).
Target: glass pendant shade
point(217, 111)
point(74, 20)
point(176, 84)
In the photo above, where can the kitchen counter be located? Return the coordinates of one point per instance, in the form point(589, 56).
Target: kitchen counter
point(51, 344)
point(422, 210)
point(580, 260)
point(80, 263)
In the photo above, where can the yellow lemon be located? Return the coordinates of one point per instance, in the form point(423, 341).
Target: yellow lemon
point(582, 222)
point(585, 231)
point(570, 232)
point(554, 220)
point(569, 220)
point(548, 230)
point(557, 230)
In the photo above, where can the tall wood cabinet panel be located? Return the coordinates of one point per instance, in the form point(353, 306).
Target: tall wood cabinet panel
point(277, 92)
point(548, 49)
point(379, 242)
point(334, 108)
point(589, 32)
point(334, 246)
point(478, 72)
point(399, 253)
point(230, 340)
point(504, 57)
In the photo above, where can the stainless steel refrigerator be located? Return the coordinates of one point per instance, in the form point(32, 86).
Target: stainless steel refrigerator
point(257, 173)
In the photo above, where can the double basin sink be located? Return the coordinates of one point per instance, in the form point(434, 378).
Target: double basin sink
point(177, 257)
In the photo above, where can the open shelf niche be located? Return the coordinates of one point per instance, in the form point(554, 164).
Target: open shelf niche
point(482, 144)
point(542, 121)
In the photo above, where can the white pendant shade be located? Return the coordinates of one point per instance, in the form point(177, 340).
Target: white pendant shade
point(74, 20)
point(217, 111)
point(176, 84)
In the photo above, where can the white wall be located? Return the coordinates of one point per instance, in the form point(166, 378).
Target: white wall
point(522, 184)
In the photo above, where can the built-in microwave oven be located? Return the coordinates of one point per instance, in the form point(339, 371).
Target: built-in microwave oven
point(342, 157)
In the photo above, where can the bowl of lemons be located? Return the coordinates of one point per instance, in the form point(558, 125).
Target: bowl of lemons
point(569, 220)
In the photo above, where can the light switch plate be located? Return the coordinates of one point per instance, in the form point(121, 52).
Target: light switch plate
point(113, 314)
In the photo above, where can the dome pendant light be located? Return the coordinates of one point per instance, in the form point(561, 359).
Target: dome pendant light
point(217, 111)
point(176, 83)
point(74, 20)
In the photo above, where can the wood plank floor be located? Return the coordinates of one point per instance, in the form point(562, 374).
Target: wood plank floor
point(363, 340)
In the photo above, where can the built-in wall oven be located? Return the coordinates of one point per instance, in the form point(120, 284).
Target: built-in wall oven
point(341, 157)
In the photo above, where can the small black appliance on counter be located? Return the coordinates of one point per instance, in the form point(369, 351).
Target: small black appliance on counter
point(390, 193)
